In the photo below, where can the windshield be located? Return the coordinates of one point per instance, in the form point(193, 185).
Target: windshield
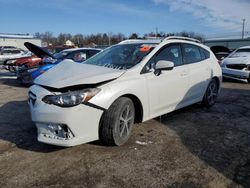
point(123, 56)
point(240, 53)
point(243, 50)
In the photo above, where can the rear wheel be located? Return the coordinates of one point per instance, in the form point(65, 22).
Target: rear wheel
point(211, 94)
point(117, 122)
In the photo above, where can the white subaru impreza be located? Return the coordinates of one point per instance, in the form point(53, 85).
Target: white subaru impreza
point(128, 83)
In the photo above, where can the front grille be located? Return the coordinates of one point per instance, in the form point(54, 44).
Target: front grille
point(32, 98)
point(237, 66)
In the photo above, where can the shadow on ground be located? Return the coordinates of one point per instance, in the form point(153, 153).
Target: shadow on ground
point(12, 82)
point(220, 136)
point(17, 129)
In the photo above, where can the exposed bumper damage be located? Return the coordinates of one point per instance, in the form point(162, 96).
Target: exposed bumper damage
point(63, 126)
point(239, 71)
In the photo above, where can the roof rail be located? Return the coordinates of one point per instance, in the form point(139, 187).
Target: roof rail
point(181, 38)
point(128, 41)
point(131, 41)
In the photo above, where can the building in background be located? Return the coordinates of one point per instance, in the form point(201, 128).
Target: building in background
point(18, 40)
point(231, 44)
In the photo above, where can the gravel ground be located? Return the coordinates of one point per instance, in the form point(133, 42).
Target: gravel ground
point(192, 147)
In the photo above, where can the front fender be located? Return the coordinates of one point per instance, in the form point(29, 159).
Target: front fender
point(118, 88)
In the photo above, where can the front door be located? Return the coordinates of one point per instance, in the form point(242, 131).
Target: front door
point(167, 91)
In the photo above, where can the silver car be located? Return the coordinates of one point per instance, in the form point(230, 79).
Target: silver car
point(237, 64)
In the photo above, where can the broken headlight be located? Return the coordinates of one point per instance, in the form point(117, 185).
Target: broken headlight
point(71, 98)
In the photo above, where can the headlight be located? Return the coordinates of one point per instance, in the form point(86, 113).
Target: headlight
point(71, 98)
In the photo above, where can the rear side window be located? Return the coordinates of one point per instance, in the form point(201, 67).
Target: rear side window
point(191, 54)
point(202, 54)
point(207, 53)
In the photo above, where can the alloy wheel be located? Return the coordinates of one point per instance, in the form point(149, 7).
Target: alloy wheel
point(126, 122)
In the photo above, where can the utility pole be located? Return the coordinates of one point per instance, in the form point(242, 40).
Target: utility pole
point(156, 31)
point(243, 28)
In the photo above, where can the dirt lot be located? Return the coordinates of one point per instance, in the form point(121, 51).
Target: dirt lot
point(193, 147)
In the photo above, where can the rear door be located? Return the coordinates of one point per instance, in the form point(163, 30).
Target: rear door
point(198, 64)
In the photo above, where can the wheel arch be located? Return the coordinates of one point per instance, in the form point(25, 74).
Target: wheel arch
point(138, 107)
point(217, 81)
point(137, 104)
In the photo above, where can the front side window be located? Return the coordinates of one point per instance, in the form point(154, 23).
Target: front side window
point(78, 56)
point(171, 53)
point(191, 54)
point(123, 56)
point(62, 55)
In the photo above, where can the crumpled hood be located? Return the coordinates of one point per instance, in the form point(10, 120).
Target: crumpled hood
point(237, 60)
point(68, 73)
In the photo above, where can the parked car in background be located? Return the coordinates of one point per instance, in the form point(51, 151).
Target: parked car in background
point(127, 83)
point(11, 53)
point(220, 52)
point(78, 55)
point(25, 62)
point(221, 55)
point(237, 64)
point(8, 47)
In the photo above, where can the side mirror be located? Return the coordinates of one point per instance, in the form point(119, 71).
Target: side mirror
point(164, 65)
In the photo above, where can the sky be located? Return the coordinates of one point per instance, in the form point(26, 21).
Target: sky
point(207, 17)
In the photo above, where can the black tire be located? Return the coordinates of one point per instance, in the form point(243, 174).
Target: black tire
point(117, 122)
point(211, 94)
point(248, 80)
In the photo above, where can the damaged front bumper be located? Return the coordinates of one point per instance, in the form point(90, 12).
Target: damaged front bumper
point(236, 73)
point(63, 126)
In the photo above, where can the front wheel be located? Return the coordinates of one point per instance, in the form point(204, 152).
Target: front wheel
point(117, 122)
point(211, 94)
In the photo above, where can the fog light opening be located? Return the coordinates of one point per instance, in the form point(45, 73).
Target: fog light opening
point(59, 131)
